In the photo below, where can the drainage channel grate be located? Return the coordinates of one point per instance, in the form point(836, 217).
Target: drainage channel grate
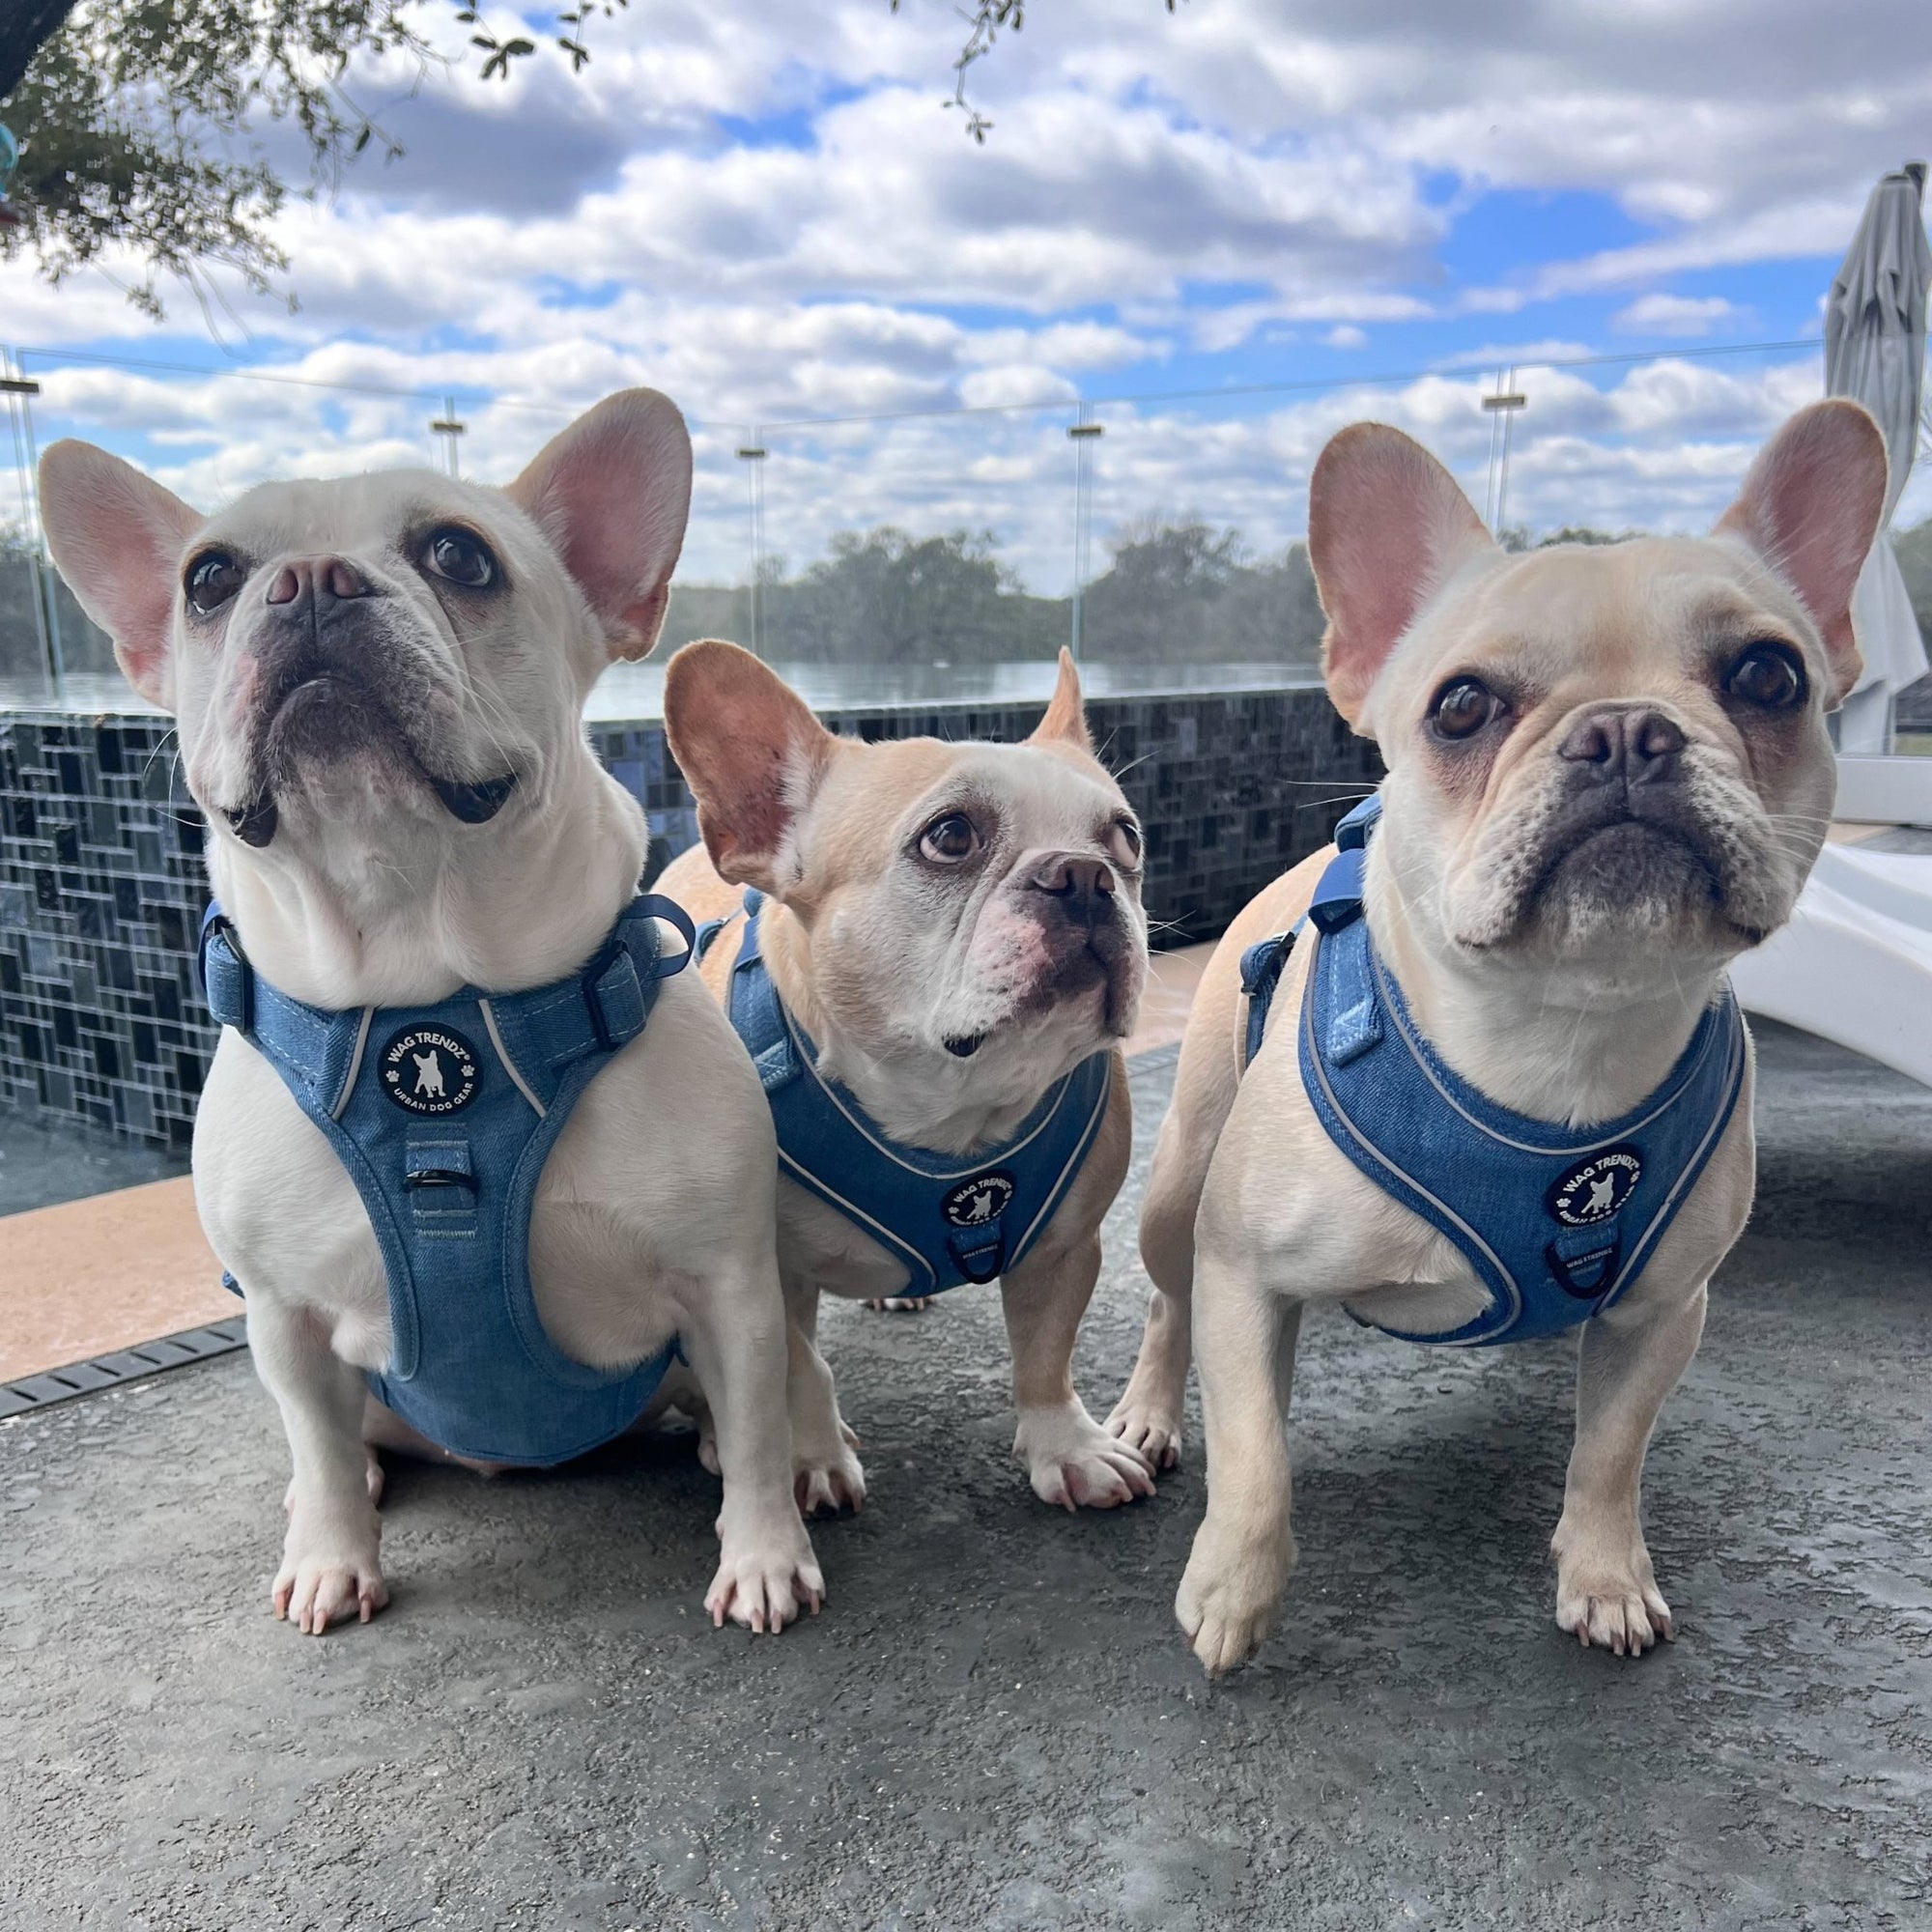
point(125, 1365)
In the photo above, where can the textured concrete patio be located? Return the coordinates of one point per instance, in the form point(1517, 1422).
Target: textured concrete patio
point(995, 1723)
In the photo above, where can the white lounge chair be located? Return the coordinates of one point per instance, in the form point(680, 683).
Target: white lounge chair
point(1855, 964)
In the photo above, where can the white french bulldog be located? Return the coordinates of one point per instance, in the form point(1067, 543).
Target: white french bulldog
point(1608, 774)
point(956, 927)
point(380, 684)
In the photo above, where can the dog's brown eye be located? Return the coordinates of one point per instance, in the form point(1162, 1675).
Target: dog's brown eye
point(1129, 836)
point(949, 839)
point(1768, 676)
point(1464, 706)
point(462, 558)
point(212, 580)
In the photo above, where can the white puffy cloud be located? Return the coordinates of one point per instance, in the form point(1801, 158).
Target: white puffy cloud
point(763, 212)
point(1660, 314)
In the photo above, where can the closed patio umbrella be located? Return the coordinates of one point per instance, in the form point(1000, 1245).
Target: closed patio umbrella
point(1875, 354)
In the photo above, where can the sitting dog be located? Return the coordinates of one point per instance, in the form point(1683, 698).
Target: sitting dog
point(466, 1145)
point(941, 950)
point(1478, 1073)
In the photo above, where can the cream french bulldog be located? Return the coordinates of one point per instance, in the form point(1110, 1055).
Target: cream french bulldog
point(1608, 774)
point(950, 940)
point(379, 685)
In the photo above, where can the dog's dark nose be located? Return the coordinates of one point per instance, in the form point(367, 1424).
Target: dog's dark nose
point(1634, 744)
point(320, 579)
point(1084, 885)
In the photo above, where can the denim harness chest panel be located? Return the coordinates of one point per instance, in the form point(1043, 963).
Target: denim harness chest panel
point(1556, 1222)
point(443, 1117)
point(949, 1221)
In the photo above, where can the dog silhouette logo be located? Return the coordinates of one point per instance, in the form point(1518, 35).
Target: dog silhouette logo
point(1595, 1189)
point(429, 1070)
point(983, 1199)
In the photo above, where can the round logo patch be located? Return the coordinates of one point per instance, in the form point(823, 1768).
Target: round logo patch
point(429, 1070)
point(1593, 1189)
point(975, 1202)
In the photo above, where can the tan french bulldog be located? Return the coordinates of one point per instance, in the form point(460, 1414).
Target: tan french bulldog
point(953, 932)
point(379, 685)
point(1609, 775)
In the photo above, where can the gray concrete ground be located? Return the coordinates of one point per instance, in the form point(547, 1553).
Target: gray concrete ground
point(995, 1723)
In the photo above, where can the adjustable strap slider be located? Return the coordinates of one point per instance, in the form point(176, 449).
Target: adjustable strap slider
point(227, 979)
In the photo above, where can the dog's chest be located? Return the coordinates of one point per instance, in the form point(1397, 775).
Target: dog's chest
point(286, 1220)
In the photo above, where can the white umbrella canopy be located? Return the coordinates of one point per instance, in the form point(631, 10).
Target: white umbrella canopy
point(1875, 354)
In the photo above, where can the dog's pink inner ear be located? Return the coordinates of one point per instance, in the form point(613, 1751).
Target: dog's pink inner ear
point(117, 537)
point(1066, 720)
point(1386, 526)
point(612, 492)
point(751, 752)
point(1810, 506)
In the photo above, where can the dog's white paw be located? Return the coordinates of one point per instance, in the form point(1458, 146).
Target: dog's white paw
point(900, 1304)
point(1148, 1426)
point(314, 1590)
point(1231, 1594)
point(765, 1578)
point(1074, 1463)
point(1606, 1593)
point(828, 1482)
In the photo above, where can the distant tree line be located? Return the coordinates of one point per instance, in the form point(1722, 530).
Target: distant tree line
point(1175, 591)
point(1172, 591)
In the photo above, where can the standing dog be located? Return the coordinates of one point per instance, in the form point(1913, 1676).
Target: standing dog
point(1505, 1089)
point(431, 949)
point(942, 949)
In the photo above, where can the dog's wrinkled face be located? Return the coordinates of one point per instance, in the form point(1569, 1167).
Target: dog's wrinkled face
point(1612, 757)
point(386, 653)
point(975, 905)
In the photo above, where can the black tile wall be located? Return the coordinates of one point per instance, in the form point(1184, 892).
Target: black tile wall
point(101, 884)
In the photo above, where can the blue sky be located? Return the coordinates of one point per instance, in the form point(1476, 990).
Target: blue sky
point(765, 211)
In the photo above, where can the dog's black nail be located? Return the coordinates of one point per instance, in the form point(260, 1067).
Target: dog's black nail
point(475, 804)
point(255, 822)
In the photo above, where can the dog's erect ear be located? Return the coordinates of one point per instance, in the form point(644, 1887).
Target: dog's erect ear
point(612, 492)
point(117, 537)
point(753, 755)
point(1810, 508)
point(1386, 526)
point(1066, 720)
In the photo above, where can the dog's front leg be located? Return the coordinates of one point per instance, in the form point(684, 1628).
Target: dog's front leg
point(1628, 1361)
point(733, 1333)
point(1245, 1337)
point(1069, 1457)
point(330, 1557)
point(826, 1471)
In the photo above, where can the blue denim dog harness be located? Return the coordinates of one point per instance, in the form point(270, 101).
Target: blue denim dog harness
point(948, 1224)
point(443, 1117)
point(1556, 1225)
